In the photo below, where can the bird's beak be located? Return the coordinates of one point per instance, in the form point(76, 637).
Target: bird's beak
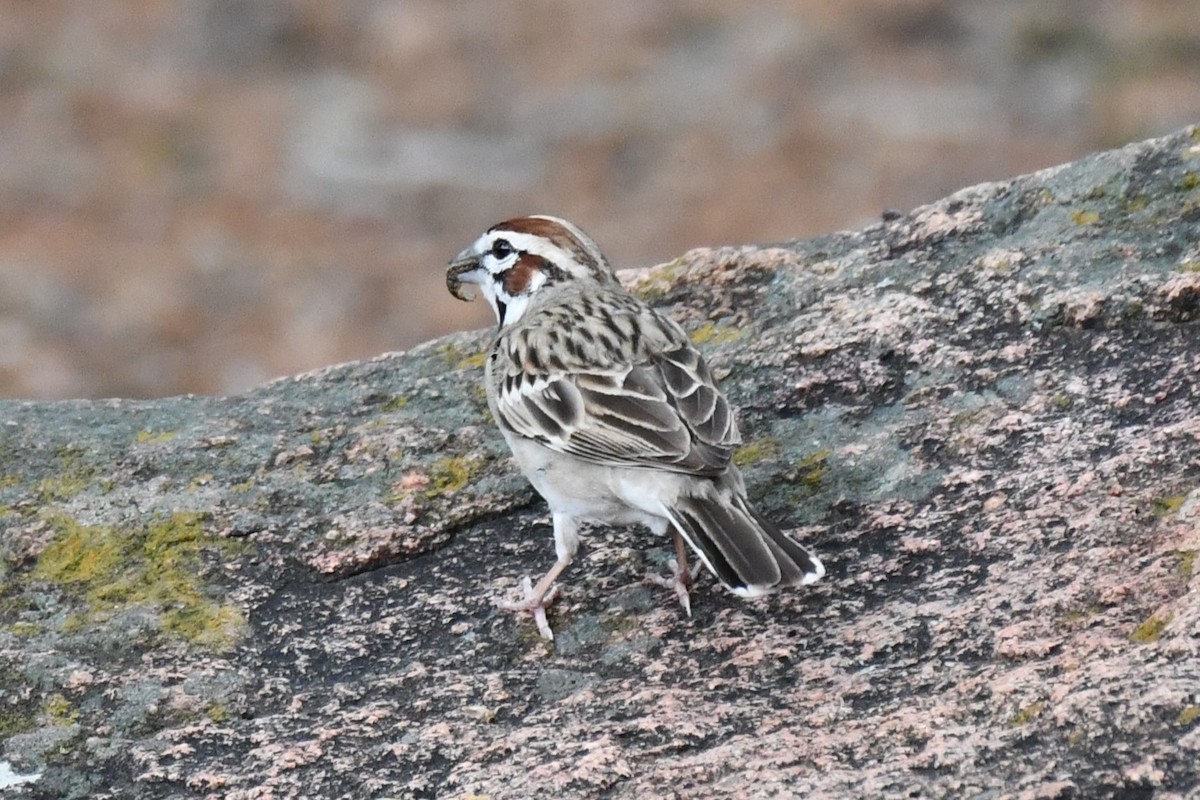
point(464, 268)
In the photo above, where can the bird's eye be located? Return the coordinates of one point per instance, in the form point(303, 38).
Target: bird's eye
point(501, 249)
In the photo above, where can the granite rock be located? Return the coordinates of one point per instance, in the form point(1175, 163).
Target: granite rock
point(982, 413)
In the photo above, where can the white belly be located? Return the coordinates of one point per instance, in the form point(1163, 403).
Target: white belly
point(594, 492)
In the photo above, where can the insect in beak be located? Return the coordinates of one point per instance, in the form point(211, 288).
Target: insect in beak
point(464, 268)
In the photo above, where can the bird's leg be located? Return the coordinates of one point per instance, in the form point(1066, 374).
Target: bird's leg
point(537, 598)
point(682, 577)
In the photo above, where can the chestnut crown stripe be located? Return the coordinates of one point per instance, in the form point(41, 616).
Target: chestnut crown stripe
point(562, 248)
point(557, 232)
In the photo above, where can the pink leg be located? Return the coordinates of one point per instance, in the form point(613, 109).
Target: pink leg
point(682, 578)
point(537, 598)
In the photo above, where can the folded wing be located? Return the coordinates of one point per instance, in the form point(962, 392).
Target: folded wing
point(649, 403)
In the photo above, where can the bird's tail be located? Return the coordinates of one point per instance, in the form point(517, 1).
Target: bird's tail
point(746, 551)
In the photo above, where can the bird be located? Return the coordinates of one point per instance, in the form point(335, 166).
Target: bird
point(614, 416)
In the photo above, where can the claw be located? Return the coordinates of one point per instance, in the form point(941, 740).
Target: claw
point(534, 604)
point(680, 581)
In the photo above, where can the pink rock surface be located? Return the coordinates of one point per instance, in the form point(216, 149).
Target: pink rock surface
point(984, 415)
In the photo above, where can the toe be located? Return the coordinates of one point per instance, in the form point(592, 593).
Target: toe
point(680, 582)
point(534, 604)
point(543, 625)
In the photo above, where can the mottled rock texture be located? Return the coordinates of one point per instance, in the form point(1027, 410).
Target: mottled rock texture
point(985, 414)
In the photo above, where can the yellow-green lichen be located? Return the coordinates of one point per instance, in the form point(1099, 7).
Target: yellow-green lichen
point(200, 480)
point(71, 480)
point(1080, 614)
point(1189, 182)
point(1081, 217)
point(712, 333)
point(753, 452)
point(1166, 506)
point(395, 403)
point(74, 623)
point(1187, 266)
point(1151, 630)
point(813, 468)
point(650, 293)
point(217, 627)
point(243, 487)
point(1187, 563)
point(1136, 203)
point(1187, 715)
point(16, 721)
point(656, 284)
point(79, 554)
point(450, 353)
point(473, 361)
point(1028, 714)
point(24, 630)
point(217, 713)
point(456, 358)
point(9, 480)
point(61, 487)
point(59, 711)
point(448, 475)
point(1061, 401)
point(157, 566)
point(148, 437)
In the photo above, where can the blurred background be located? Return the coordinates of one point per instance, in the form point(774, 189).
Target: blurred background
point(196, 196)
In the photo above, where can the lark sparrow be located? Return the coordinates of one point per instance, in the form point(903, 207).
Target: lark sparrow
point(613, 415)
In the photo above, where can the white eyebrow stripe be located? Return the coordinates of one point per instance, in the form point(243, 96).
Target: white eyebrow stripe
point(529, 243)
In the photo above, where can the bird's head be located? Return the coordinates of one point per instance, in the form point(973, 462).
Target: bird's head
point(515, 260)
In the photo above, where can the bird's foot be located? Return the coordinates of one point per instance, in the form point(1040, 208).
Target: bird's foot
point(536, 603)
point(679, 581)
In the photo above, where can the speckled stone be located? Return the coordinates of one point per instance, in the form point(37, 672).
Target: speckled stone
point(983, 414)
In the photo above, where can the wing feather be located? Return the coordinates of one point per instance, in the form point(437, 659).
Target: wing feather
point(651, 402)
